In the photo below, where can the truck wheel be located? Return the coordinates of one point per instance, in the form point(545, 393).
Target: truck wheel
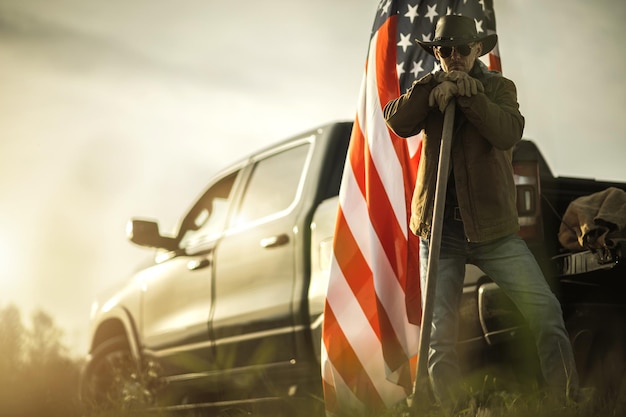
point(110, 380)
point(599, 343)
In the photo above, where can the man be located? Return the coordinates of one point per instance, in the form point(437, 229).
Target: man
point(480, 217)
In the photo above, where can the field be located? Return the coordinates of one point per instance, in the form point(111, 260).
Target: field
point(39, 378)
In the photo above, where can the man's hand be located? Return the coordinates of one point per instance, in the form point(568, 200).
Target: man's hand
point(441, 94)
point(467, 85)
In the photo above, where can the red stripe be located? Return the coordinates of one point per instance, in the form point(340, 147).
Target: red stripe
point(386, 78)
point(494, 62)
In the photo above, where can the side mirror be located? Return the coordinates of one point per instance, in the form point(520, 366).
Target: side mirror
point(146, 233)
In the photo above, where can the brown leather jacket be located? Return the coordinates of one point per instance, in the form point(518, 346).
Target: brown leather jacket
point(486, 128)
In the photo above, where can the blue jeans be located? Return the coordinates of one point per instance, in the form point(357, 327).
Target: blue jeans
point(509, 263)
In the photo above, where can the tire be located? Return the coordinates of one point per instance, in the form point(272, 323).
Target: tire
point(111, 378)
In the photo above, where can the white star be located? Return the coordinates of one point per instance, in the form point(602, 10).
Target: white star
point(479, 26)
point(482, 3)
point(437, 67)
point(417, 68)
point(412, 13)
point(399, 69)
point(432, 13)
point(384, 9)
point(405, 41)
point(426, 37)
point(449, 11)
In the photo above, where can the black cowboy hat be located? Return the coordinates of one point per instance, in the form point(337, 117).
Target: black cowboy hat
point(454, 30)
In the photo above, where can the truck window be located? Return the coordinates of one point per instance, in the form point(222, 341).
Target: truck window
point(207, 218)
point(273, 185)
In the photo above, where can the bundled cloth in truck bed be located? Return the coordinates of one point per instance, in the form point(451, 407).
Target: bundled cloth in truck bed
point(595, 222)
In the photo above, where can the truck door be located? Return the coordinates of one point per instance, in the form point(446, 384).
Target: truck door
point(177, 290)
point(255, 264)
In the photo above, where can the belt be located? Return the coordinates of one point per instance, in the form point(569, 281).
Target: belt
point(453, 213)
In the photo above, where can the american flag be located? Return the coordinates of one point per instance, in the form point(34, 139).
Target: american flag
point(372, 312)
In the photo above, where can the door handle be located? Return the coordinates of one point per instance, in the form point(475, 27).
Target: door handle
point(274, 241)
point(198, 264)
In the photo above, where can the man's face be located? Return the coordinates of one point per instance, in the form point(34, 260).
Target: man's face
point(455, 58)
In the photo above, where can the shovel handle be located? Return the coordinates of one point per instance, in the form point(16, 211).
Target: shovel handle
point(434, 249)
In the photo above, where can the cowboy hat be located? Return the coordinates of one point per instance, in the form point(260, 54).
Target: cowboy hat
point(454, 30)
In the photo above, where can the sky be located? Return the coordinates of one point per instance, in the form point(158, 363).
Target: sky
point(125, 108)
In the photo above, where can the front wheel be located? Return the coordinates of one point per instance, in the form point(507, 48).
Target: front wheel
point(112, 379)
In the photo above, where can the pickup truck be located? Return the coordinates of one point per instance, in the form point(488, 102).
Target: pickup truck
point(230, 308)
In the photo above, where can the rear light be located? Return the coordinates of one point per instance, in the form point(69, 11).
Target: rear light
point(528, 200)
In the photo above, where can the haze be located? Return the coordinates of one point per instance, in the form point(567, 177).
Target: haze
point(110, 110)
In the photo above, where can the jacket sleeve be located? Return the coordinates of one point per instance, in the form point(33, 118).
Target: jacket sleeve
point(495, 113)
point(405, 115)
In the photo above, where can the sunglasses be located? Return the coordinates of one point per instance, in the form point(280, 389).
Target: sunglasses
point(446, 51)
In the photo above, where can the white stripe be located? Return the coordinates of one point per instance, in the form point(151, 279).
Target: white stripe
point(362, 119)
point(413, 143)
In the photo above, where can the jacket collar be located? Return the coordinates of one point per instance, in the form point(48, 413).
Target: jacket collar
point(480, 71)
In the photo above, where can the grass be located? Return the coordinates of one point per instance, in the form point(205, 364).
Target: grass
point(501, 403)
point(489, 397)
point(38, 378)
